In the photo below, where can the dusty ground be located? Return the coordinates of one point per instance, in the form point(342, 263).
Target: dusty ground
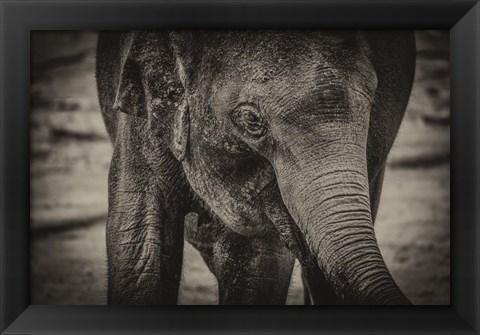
point(69, 166)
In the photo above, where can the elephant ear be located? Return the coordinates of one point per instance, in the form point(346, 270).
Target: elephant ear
point(150, 88)
point(187, 47)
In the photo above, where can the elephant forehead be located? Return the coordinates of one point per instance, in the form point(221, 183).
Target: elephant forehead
point(271, 44)
point(278, 51)
point(257, 83)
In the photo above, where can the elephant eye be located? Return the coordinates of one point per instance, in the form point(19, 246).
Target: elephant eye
point(249, 121)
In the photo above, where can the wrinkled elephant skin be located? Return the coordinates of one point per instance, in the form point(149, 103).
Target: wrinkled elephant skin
point(277, 140)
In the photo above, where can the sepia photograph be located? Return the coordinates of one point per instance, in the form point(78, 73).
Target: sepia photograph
point(240, 167)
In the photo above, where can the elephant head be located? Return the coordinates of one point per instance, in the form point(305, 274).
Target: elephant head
point(272, 129)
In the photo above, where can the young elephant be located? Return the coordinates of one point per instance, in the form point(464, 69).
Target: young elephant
point(276, 139)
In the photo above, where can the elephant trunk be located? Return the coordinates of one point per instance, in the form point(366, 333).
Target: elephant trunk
point(328, 197)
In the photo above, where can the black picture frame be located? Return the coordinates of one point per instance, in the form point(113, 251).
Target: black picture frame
point(18, 17)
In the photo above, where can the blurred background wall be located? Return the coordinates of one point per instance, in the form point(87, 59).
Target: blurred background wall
point(70, 155)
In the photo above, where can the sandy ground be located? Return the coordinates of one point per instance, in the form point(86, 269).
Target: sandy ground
point(69, 166)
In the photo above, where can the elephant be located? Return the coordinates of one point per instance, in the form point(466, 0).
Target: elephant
point(272, 143)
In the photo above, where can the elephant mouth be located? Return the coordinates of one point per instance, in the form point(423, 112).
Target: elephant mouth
point(264, 189)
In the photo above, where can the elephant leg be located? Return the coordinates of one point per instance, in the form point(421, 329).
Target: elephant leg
point(144, 228)
point(317, 291)
point(144, 245)
point(307, 298)
point(249, 271)
point(252, 271)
